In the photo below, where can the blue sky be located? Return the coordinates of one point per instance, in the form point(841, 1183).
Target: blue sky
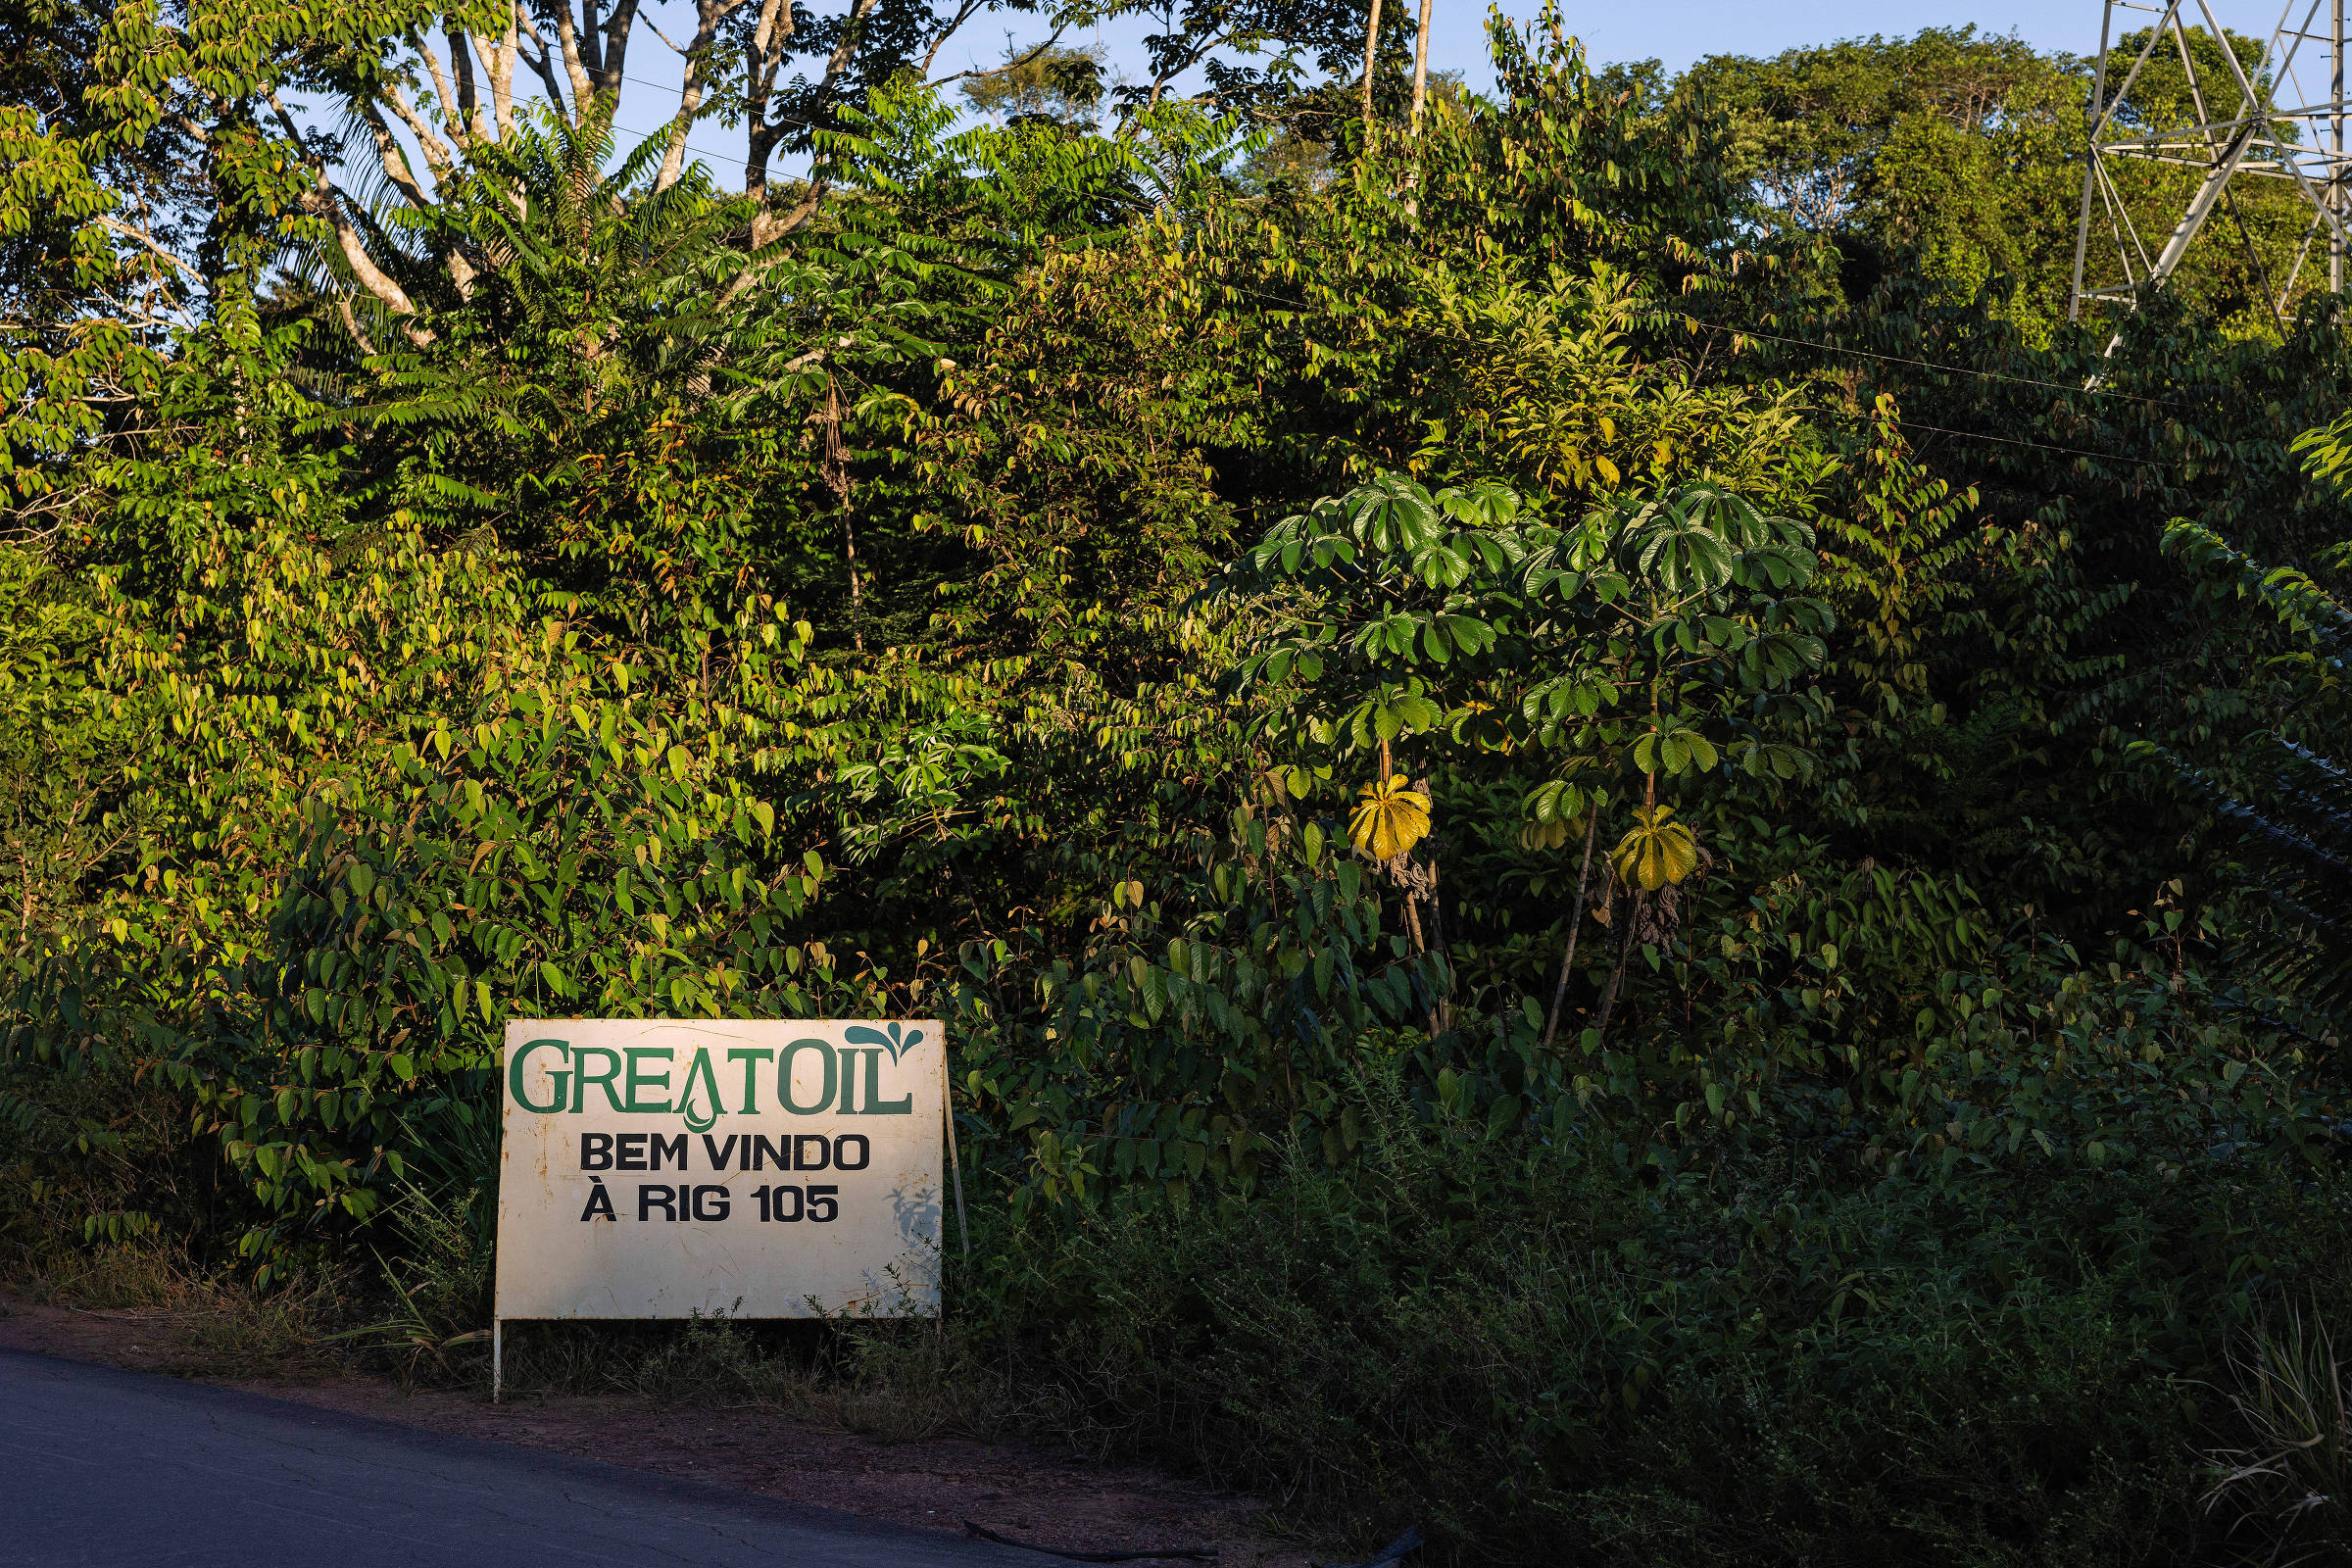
point(1680, 31)
point(1675, 31)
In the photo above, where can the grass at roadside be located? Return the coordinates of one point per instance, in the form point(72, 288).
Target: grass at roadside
point(1532, 1352)
point(194, 1323)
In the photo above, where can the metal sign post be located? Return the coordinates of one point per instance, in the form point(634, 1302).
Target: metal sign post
point(659, 1168)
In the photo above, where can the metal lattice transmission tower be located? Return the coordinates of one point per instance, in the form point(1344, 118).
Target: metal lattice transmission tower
point(2282, 122)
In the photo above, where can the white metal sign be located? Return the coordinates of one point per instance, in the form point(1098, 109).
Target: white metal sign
point(662, 1168)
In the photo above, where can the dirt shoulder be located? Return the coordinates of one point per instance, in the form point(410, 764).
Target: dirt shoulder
point(933, 1483)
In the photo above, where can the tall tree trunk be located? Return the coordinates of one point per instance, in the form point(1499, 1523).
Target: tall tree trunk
point(1371, 50)
point(1433, 928)
point(1633, 924)
point(707, 15)
point(1576, 923)
point(1625, 952)
point(849, 539)
point(1421, 63)
point(837, 479)
point(1437, 943)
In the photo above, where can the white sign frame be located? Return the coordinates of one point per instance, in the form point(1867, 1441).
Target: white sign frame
point(640, 1157)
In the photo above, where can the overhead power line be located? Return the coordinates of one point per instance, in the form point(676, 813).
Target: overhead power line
point(2039, 446)
point(1931, 364)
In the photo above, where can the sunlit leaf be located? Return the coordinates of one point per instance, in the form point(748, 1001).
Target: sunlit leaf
point(1658, 852)
point(1389, 819)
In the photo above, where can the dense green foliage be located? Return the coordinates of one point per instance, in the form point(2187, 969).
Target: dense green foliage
point(1954, 161)
point(1834, 1048)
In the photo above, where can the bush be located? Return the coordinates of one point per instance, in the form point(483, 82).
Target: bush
point(1559, 1352)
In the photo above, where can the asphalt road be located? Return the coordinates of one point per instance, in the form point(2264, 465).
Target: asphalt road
point(104, 1467)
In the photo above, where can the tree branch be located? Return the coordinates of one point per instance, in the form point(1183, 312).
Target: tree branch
point(617, 48)
point(1208, 47)
point(964, 12)
point(708, 14)
point(450, 115)
point(351, 324)
point(542, 63)
point(393, 156)
point(969, 7)
point(470, 103)
point(766, 229)
point(322, 200)
point(437, 156)
point(763, 56)
point(846, 51)
point(1421, 78)
point(767, 40)
point(568, 42)
point(149, 241)
point(396, 169)
point(500, 61)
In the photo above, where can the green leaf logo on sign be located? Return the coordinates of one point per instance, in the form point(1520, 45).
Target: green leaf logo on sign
point(895, 1042)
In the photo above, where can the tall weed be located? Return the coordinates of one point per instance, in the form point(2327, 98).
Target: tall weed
point(1558, 1352)
point(2286, 1486)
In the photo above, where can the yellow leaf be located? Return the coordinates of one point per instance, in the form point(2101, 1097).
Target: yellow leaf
point(1657, 851)
point(1544, 835)
point(1389, 820)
